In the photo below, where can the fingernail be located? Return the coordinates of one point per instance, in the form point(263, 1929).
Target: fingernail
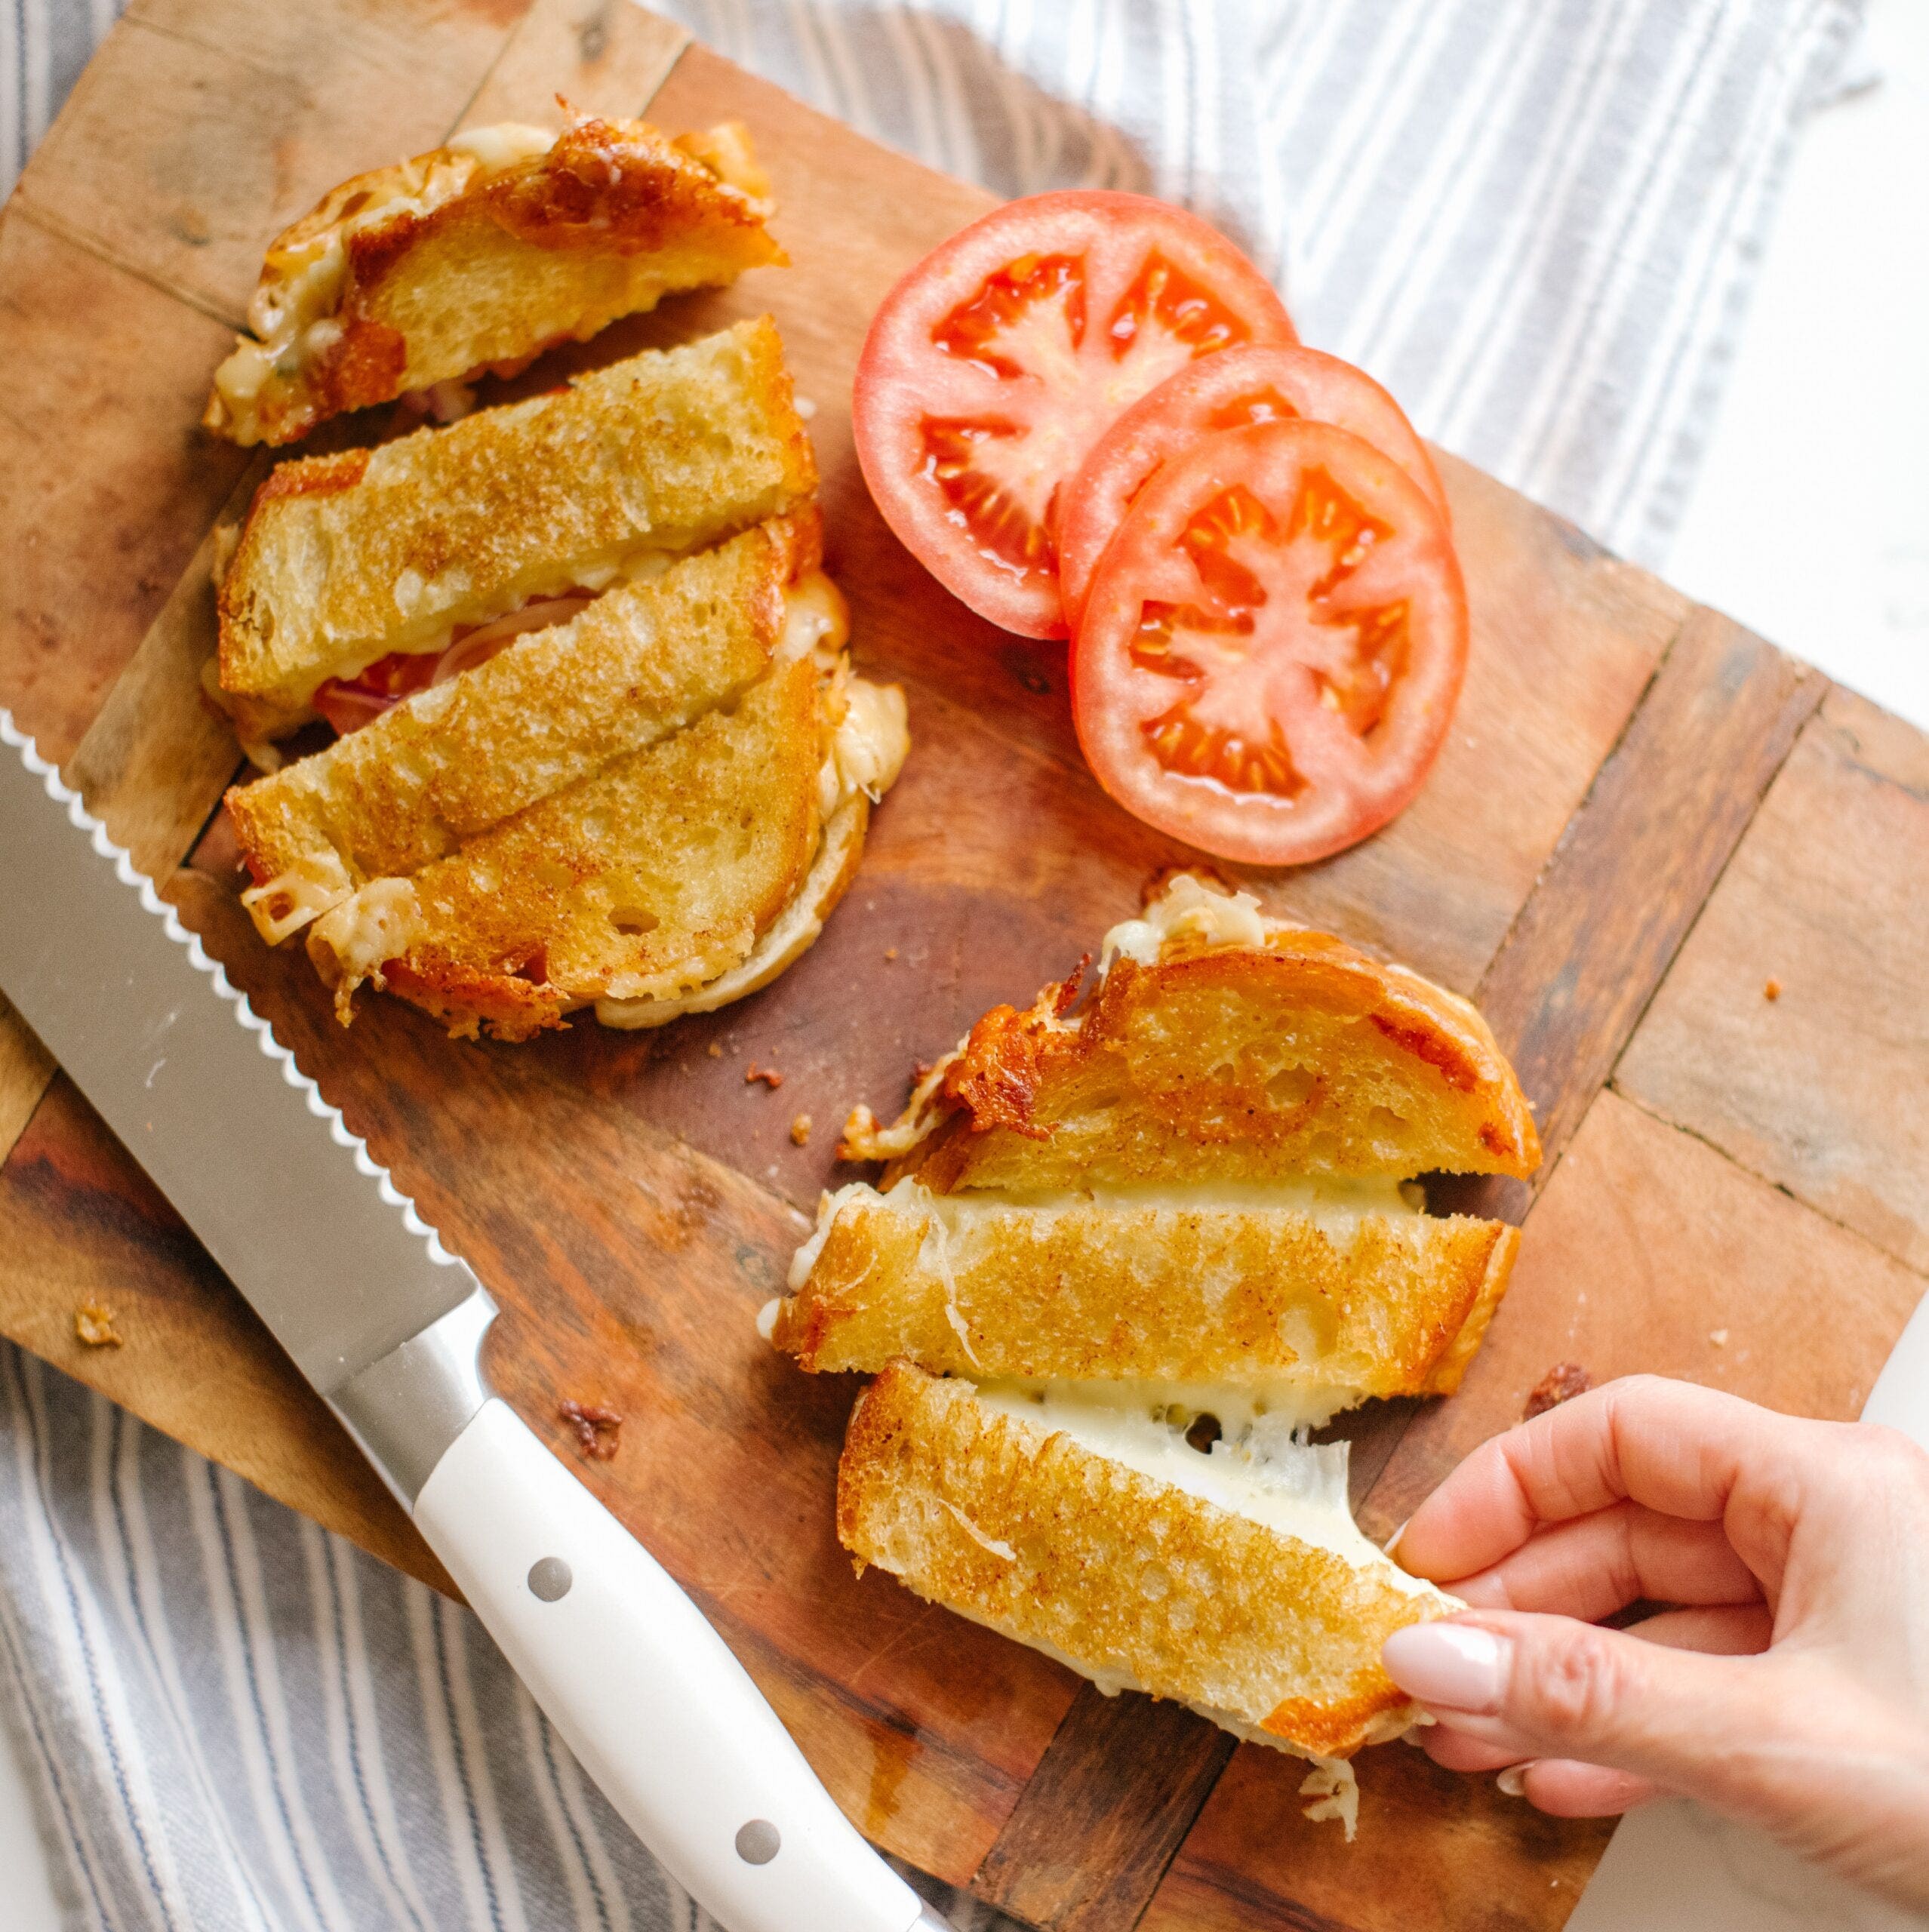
point(1456, 1666)
point(1513, 1781)
point(1392, 1543)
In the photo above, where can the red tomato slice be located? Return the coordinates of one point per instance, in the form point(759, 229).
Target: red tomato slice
point(1273, 644)
point(998, 361)
point(1224, 391)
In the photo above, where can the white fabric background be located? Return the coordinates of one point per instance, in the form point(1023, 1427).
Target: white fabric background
point(1537, 220)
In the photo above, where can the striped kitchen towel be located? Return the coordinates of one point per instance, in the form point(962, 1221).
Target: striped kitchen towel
point(1537, 220)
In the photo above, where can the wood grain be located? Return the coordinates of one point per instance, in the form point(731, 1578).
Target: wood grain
point(1635, 864)
point(26, 1068)
point(603, 57)
point(106, 485)
point(1436, 1852)
point(1650, 1252)
point(1824, 1089)
point(1080, 1855)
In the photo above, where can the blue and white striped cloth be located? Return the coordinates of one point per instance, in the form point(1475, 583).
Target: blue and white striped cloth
point(1537, 220)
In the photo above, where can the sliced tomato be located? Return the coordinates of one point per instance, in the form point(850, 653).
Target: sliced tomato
point(349, 703)
point(1226, 392)
point(997, 362)
point(1272, 645)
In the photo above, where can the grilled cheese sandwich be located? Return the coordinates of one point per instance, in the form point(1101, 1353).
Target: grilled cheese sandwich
point(1122, 1259)
point(397, 556)
point(648, 809)
point(478, 255)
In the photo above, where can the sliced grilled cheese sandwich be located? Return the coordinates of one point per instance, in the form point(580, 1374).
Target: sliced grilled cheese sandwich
point(647, 809)
point(360, 572)
point(1122, 1259)
point(477, 256)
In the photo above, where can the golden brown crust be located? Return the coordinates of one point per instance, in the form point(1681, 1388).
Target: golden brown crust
point(651, 877)
point(342, 559)
point(446, 266)
point(1376, 1304)
point(1229, 1062)
point(1030, 1532)
point(644, 660)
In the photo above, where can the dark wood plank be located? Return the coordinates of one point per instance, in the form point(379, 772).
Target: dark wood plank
point(1633, 870)
point(1082, 1853)
point(1823, 1089)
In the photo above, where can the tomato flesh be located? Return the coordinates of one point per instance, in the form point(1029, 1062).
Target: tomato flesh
point(1242, 386)
point(997, 364)
point(1272, 645)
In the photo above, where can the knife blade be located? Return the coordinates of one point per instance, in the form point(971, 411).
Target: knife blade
point(389, 1326)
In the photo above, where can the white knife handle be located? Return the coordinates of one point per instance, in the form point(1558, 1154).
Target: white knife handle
point(649, 1697)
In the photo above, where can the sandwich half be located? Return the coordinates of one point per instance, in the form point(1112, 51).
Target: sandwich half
point(357, 578)
point(477, 256)
point(648, 808)
point(1122, 1259)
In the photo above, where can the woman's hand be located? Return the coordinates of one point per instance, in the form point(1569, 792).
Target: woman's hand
point(1787, 1683)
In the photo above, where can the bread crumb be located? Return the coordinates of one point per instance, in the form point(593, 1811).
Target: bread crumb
point(769, 1075)
point(1561, 1383)
point(890, 953)
point(595, 1430)
point(1719, 1336)
point(800, 1129)
point(805, 407)
point(94, 1325)
point(1773, 990)
point(714, 1050)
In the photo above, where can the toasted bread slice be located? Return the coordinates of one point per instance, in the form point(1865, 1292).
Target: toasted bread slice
point(1233, 1581)
point(344, 560)
point(483, 254)
point(1220, 1046)
point(1318, 1295)
point(644, 661)
point(649, 888)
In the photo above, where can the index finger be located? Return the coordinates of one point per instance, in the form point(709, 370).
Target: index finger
point(1673, 1446)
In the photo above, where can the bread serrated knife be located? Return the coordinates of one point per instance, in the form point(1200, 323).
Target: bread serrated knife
point(389, 1326)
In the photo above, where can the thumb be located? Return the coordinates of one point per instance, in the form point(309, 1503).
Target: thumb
point(1550, 1686)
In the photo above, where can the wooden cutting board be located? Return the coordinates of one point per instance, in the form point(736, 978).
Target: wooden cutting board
point(1682, 873)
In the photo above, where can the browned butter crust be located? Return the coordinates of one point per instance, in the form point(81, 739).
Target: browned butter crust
point(1388, 1305)
point(1302, 1057)
point(432, 289)
point(1029, 1532)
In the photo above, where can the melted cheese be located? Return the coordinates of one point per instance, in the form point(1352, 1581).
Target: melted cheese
point(367, 930)
point(314, 884)
point(1189, 907)
point(1262, 1468)
point(292, 311)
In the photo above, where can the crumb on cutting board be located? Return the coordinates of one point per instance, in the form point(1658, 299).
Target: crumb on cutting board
point(596, 1429)
point(769, 1075)
point(93, 1326)
point(1773, 990)
point(1561, 1383)
point(714, 1050)
point(800, 1130)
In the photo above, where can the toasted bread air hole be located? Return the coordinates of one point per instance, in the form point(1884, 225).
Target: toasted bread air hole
point(999, 477)
point(1263, 640)
point(633, 921)
point(1202, 1432)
